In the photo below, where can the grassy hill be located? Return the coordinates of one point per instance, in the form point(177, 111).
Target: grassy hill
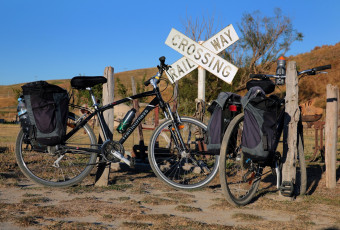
point(9, 95)
point(314, 87)
point(310, 87)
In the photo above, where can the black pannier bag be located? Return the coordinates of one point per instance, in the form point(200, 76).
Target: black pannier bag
point(47, 109)
point(223, 110)
point(259, 127)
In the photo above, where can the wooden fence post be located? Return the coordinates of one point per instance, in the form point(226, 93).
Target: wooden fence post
point(138, 152)
point(136, 106)
point(102, 176)
point(331, 134)
point(292, 115)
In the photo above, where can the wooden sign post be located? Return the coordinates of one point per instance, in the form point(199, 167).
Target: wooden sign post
point(201, 81)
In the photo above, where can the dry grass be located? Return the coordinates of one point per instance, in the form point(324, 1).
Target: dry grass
point(185, 208)
point(182, 198)
point(246, 217)
point(154, 200)
point(164, 221)
point(27, 221)
point(128, 201)
point(35, 200)
point(51, 211)
point(8, 134)
point(70, 225)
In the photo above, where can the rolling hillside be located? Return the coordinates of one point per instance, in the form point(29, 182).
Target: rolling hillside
point(313, 86)
point(8, 95)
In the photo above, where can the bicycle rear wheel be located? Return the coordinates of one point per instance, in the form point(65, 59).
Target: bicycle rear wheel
point(239, 177)
point(57, 168)
point(189, 169)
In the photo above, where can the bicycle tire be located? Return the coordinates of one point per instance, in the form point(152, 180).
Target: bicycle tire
point(238, 176)
point(38, 164)
point(175, 169)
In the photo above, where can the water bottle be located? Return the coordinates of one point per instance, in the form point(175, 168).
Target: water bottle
point(127, 120)
point(22, 111)
point(281, 67)
point(23, 116)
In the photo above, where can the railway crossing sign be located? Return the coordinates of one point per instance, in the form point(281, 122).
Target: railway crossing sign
point(204, 55)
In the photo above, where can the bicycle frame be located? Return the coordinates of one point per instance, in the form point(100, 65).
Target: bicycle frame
point(157, 100)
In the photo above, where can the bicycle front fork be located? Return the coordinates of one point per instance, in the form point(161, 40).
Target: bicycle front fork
point(174, 130)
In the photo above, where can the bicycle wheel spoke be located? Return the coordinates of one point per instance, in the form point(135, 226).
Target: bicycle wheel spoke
point(173, 168)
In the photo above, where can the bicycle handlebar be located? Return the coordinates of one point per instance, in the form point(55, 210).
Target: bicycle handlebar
point(322, 67)
point(161, 68)
point(312, 71)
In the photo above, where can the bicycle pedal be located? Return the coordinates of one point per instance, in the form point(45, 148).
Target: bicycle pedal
point(287, 188)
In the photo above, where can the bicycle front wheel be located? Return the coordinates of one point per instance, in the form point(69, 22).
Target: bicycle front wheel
point(239, 177)
point(49, 166)
point(189, 169)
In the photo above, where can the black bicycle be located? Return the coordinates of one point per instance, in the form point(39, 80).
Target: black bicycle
point(175, 151)
point(240, 175)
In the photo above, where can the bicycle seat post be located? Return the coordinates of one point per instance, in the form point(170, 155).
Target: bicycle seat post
point(93, 98)
point(101, 119)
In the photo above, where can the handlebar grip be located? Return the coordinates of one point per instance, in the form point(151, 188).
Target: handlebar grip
point(322, 68)
point(146, 83)
point(162, 60)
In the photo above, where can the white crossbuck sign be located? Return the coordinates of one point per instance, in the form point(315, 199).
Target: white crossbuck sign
point(204, 55)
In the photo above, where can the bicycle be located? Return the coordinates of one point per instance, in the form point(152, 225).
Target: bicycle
point(240, 175)
point(174, 150)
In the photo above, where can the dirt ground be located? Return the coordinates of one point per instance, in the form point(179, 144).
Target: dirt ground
point(136, 199)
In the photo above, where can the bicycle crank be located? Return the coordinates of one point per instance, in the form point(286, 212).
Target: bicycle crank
point(113, 151)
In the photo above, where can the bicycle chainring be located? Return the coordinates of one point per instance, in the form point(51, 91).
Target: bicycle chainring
point(110, 146)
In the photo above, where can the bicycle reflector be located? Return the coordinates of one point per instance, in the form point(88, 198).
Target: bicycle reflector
point(179, 127)
point(233, 108)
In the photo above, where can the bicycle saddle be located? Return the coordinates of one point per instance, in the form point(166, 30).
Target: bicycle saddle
point(84, 82)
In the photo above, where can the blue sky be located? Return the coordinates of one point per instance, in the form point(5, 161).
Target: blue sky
point(43, 40)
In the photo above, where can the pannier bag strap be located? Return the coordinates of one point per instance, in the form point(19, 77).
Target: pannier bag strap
point(252, 93)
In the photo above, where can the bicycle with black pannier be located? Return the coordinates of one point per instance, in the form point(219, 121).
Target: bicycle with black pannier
point(56, 147)
point(251, 141)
